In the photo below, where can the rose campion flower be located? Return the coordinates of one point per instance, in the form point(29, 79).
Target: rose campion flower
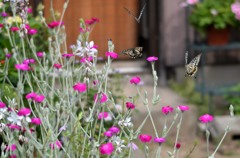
point(31, 95)
point(192, 2)
point(92, 21)
point(24, 112)
point(183, 108)
point(1, 25)
point(114, 129)
point(106, 149)
point(80, 87)
point(14, 29)
point(57, 143)
point(4, 14)
point(108, 134)
point(178, 145)
point(206, 118)
point(113, 55)
point(57, 66)
point(39, 98)
point(86, 59)
point(103, 98)
point(130, 105)
point(32, 31)
point(135, 80)
point(40, 54)
point(133, 146)
point(68, 55)
point(2, 105)
point(12, 147)
point(23, 67)
point(28, 61)
point(102, 115)
point(13, 156)
point(8, 55)
point(159, 140)
point(54, 24)
point(36, 121)
point(152, 59)
point(167, 109)
point(29, 10)
point(145, 138)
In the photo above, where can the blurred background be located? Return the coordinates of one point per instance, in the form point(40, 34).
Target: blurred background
point(167, 30)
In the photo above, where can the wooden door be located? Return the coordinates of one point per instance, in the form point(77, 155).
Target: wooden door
point(115, 22)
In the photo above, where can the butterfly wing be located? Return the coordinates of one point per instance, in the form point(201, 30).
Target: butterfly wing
point(133, 52)
point(192, 67)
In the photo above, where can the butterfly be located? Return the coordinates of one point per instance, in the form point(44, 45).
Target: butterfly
point(140, 15)
point(133, 52)
point(192, 67)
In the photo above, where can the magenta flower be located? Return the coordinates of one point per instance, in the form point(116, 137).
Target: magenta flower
point(27, 26)
point(114, 130)
point(39, 98)
point(57, 66)
point(1, 25)
point(28, 61)
point(159, 140)
point(113, 55)
point(36, 121)
point(106, 149)
point(235, 7)
point(178, 145)
point(29, 10)
point(130, 105)
point(12, 147)
point(206, 118)
point(95, 82)
point(102, 115)
point(4, 14)
point(57, 143)
point(92, 21)
point(14, 29)
point(2, 105)
point(167, 109)
point(67, 55)
point(31, 95)
point(82, 30)
point(183, 108)
point(55, 24)
point(103, 98)
point(80, 87)
point(40, 54)
point(135, 80)
point(13, 126)
point(23, 67)
point(145, 138)
point(8, 55)
point(192, 2)
point(86, 59)
point(24, 112)
point(133, 146)
point(152, 59)
point(108, 134)
point(32, 31)
point(13, 156)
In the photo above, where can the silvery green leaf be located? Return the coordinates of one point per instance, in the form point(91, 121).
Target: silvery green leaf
point(169, 154)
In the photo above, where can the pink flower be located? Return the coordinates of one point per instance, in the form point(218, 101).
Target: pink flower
point(235, 7)
point(24, 112)
point(167, 109)
point(86, 59)
point(183, 108)
point(103, 98)
point(12, 147)
point(28, 61)
point(192, 2)
point(159, 140)
point(145, 138)
point(80, 87)
point(92, 21)
point(130, 105)
point(29, 10)
point(113, 55)
point(14, 29)
point(2, 105)
point(68, 55)
point(40, 54)
point(152, 59)
point(102, 115)
point(57, 66)
point(114, 129)
point(13, 156)
point(4, 14)
point(133, 146)
point(27, 26)
point(135, 80)
point(55, 24)
point(178, 145)
point(1, 25)
point(82, 30)
point(12, 126)
point(23, 67)
point(39, 98)
point(95, 82)
point(206, 118)
point(31, 95)
point(106, 149)
point(108, 134)
point(32, 31)
point(36, 121)
point(8, 55)
point(57, 143)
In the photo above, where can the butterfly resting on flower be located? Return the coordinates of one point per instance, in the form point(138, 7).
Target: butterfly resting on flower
point(192, 67)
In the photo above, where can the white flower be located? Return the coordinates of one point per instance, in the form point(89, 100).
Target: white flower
point(15, 119)
point(108, 118)
point(133, 146)
point(2, 126)
point(89, 49)
point(127, 122)
point(118, 107)
point(2, 112)
point(214, 12)
point(119, 143)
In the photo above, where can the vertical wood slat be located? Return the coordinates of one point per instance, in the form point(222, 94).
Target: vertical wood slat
point(115, 23)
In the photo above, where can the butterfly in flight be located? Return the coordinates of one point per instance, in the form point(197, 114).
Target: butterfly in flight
point(133, 52)
point(192, 67)
point(140, 15)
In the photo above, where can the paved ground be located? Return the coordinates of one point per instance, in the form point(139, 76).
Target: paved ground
point(189, 132)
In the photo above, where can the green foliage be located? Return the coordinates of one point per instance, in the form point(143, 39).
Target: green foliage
point(234, 99)
point(216, 13)
point(187, 90)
